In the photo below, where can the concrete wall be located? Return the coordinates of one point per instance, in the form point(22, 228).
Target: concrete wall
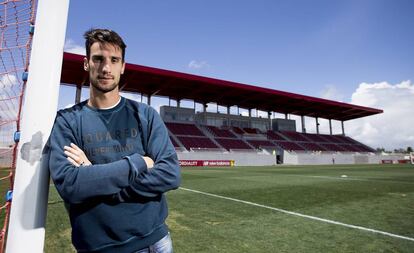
point(264, 159)
point(337, 158)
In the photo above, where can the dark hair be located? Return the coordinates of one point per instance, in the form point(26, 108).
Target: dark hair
point(103, 36)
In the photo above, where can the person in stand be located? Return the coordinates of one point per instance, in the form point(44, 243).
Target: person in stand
point(111, 160)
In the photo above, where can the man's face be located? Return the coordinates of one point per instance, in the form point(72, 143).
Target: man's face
point(105, 67)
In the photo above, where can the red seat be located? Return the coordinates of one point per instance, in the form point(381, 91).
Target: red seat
point(196, 142)
point(184, 129)
point(232, 144)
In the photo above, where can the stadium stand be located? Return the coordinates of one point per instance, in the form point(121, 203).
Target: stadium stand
point(217, 132)
point(274, 136)
point(313, 146)
point(333, 147)
point(191, 142)
point(316, 137)
point(238, 130)
point(288, 145)
point(251, 130)
point(295, 136)
point(259, 144)
point(235, 136)
point(184, 129)
point(175, 144)
point(233, 144)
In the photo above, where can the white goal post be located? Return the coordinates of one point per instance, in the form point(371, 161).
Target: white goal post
point(26, 230)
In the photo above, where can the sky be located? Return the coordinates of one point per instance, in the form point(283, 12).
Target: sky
point(358, 52)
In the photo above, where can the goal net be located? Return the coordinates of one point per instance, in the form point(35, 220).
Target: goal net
point(16, 22)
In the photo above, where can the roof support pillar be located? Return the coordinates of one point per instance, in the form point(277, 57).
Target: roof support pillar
point(204, 107)
point(78, 93)
point(228, 115)
point(178, 103)
point(150, 96)
point(330, 126)
point(317, 125)
point(269, 116)
point(250, 118)
point(303, 123)
point(286, 116)
point(343, 128)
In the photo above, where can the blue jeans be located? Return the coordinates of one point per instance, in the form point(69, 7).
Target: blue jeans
point(162, 246)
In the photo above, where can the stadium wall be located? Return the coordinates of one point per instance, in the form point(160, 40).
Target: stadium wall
point(292, 158)
point(263, 159)
point(240, 158)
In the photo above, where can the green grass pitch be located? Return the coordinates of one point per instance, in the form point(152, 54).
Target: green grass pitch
point(375, 198)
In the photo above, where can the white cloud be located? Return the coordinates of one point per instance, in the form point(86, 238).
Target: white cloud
point(9, 92)
point(72, 47)
point(332, 92)
point(7, 81)
point(198, 64)
point(9, 86)
point(392, 129)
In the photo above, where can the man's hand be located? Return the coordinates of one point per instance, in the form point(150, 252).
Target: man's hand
point(149, 162)
point(76, 156)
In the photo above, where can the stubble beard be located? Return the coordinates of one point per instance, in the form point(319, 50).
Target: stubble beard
point(104, 89)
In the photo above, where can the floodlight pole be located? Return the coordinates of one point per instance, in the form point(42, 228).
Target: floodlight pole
point(26, 231)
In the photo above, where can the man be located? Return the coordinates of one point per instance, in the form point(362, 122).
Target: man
point(111, 160)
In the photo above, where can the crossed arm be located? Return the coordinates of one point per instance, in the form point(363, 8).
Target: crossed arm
point(141, 176)
point(77, 157)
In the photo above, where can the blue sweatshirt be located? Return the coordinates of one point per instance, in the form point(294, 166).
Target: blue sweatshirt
point(116, 204)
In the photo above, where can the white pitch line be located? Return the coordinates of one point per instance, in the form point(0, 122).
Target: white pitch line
point(302, 215)
point(351, 178)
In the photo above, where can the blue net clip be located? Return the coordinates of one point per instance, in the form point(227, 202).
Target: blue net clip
point(9, 196)
point(25, 75)
point(16, 136)
point(31, 29)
